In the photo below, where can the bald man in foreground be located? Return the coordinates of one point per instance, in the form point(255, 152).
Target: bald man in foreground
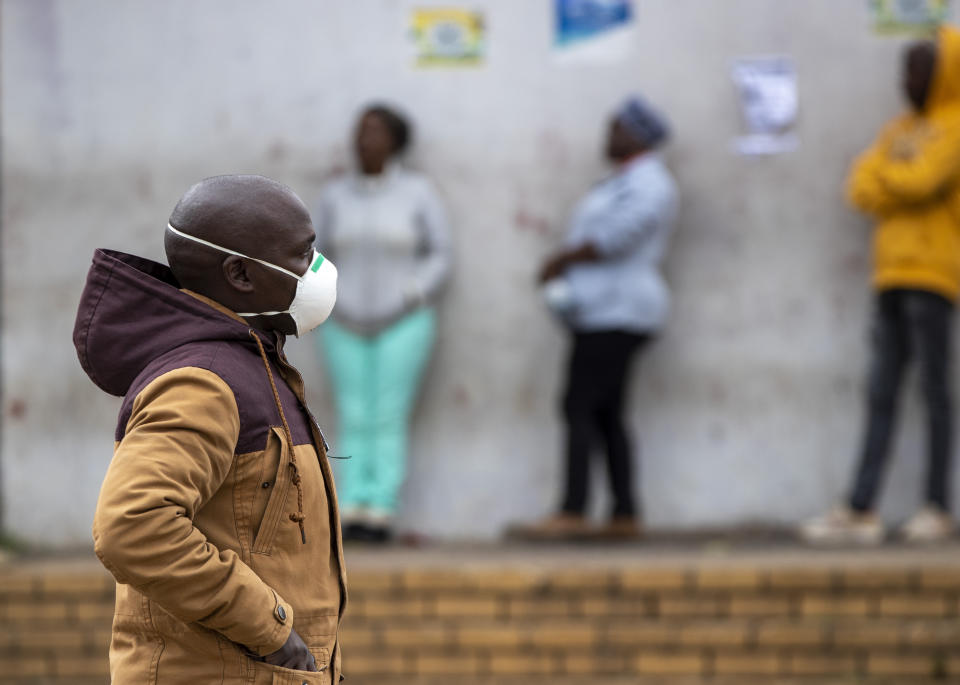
point(217, 516)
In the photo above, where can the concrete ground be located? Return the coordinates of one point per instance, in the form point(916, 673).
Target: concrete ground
point(717, 551)
point(662, 552)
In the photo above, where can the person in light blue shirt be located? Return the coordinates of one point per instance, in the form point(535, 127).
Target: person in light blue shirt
point(606, 285)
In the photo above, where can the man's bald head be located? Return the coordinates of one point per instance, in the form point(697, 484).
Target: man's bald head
point(244, 213)
point(253, 215)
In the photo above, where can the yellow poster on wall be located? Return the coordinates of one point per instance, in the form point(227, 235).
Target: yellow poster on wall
point(448, 37)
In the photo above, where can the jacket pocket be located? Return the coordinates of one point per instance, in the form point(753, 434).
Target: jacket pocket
point(286, 676)
point(277, 503)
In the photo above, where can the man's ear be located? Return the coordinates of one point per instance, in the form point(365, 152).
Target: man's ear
point(235, 273)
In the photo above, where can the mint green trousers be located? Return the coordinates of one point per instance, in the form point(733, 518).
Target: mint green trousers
point(375, 382)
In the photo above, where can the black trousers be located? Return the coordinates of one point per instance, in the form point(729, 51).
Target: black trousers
point(593, 408)
point(907, 323)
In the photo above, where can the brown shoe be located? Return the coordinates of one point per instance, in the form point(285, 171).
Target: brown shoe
point(620, 528)
point(559, 527)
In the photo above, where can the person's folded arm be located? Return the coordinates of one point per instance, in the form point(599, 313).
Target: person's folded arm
point(930, 171)
point(175, 454)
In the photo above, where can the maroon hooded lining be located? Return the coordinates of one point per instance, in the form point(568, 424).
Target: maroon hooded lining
point(132, 311)
point(134, 324)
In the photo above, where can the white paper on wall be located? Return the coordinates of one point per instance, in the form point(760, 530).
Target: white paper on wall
point(767, 90)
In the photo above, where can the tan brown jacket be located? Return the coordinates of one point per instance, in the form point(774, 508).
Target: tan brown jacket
point(218, 515)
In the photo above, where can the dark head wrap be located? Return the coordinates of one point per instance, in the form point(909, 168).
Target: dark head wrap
point(643, 122)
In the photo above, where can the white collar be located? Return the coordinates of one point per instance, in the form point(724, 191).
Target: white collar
point(372, 184)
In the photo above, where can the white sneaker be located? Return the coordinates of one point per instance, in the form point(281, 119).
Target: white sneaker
point(930, 524)
point(843, 526)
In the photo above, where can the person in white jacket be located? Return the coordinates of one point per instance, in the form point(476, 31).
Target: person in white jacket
point(386, 229)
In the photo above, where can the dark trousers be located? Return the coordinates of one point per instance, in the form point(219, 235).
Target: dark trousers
point(907, 323)
point(593, 408)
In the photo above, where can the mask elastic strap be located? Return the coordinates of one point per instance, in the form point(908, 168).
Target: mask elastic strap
point(246, 314)
point(234, 252)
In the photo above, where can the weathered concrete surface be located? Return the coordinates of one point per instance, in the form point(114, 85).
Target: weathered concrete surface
point(748, 407)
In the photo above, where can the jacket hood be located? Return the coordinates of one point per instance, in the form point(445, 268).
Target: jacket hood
point(132, 311)
point(945, 90)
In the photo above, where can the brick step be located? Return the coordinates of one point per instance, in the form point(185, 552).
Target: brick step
point(616, 635)
point(448, 605)
point(771, 648)
point(548, 680)
point(732, 647)
point(513, 623)
point(647, 680)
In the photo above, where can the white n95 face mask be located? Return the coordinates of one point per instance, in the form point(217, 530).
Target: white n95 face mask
point(316, 288)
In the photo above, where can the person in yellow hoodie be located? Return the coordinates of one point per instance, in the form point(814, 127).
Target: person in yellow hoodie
point(909, 182)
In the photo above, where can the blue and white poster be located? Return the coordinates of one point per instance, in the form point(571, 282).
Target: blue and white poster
point(593, 30)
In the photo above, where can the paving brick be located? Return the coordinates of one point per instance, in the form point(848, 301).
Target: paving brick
point(760, 605)
point(686, 606)
point(901, 665)
point(432, 580)
point(547, 607)
point(32, 641)
point(836, 605)
point(93, 612)
point(593, 580)
point(77, 666)
point(375, 664)
point(874, 578)
point(940, 578)
point(439, 665)
point(870, 633)
point(623, 607)
point(801, 578)
point(359, 637)
point(728, 579)
point(913, 605)
point(641, 635)
point(468, 607)
point(821, 665)
point(747, 664)
point(574, 663)
point(36, 612)
point(419, 636)
point(514, 581)
point(792, 634)
point(670, 663)
point(931, 633)
point(378, 608)
point(25, 667)
point(493, 636)
point(17, 585)
point(716, 634)
point(570, 636)
point(369, 582)
point(100, 639)
point(86, 585)
point(647, 579)
point(523, 664)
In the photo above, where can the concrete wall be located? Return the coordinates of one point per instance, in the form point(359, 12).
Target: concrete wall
point(748, 407)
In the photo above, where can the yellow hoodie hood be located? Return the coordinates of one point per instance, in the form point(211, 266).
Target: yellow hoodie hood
point(945, 89)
